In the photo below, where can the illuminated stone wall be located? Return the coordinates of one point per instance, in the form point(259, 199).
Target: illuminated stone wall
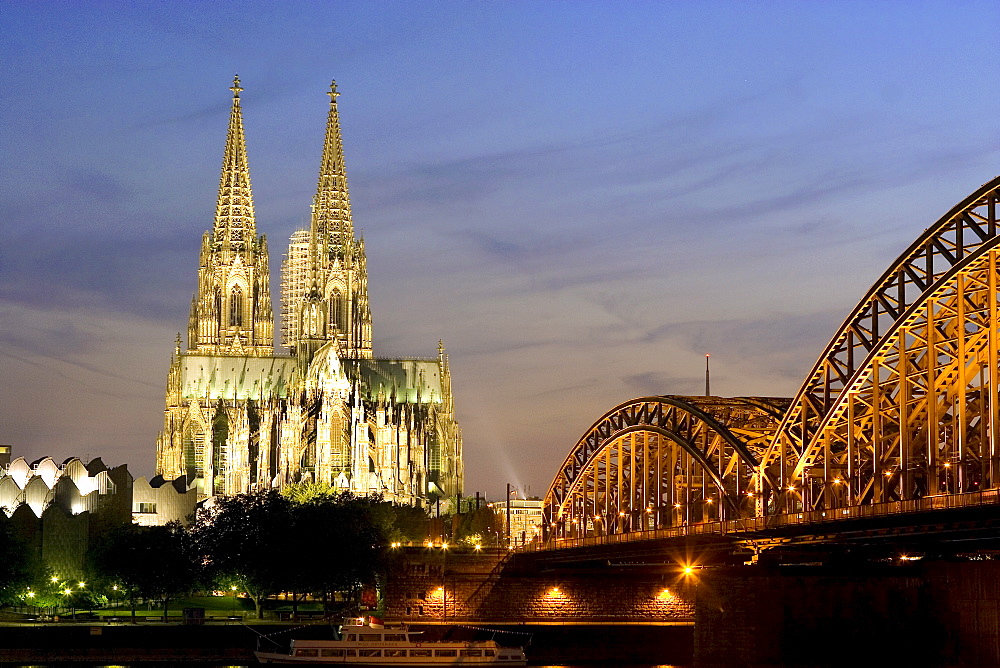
point(436, 585)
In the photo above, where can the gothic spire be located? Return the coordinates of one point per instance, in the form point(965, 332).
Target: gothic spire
point(331, 219)
point(234, 218)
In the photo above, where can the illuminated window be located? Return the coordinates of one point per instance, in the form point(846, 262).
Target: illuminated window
point(236, 308)
point(336, 310)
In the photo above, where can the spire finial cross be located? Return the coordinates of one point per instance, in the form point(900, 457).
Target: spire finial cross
point(333, 91)
point(236, 87)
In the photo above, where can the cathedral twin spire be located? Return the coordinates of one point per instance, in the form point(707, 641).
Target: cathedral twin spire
point(324, 288)
point(331, 224)
point(234, 217)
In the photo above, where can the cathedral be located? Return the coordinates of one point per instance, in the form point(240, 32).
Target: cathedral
point(242, 415)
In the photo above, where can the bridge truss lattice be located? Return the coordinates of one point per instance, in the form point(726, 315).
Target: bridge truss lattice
point(903, 403)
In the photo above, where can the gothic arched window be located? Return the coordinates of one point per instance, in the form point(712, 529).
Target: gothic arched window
point(236, 308)
point(218, 307)
point(336, 311)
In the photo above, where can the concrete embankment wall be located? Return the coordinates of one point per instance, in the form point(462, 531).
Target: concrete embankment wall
point(125, 644)
point(233, 645)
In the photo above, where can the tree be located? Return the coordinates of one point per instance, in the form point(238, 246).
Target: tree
point(348, 541)
point(481, 527)
point(18, 564)
point(250, 540)
point(148, 562)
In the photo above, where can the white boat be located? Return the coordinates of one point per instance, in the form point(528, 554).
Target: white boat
point(363, 643)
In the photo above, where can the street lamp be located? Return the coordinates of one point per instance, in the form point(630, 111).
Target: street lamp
point(233, 587)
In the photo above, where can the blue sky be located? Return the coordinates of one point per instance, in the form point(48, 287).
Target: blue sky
point(580, 198)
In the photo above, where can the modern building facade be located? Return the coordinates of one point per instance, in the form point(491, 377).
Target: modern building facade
point(60, 509)
point(242, 415)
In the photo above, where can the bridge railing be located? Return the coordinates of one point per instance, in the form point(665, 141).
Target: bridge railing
point(757, 524)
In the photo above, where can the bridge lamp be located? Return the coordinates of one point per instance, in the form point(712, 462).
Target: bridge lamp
point(709, 500)
point(477, 547)
point(888, 474)
point(621, 514)
point(688, 570)
point(677, 505)
point(947, 465)
point(444, 546)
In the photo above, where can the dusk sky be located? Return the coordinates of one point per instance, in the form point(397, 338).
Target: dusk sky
point(580, 198)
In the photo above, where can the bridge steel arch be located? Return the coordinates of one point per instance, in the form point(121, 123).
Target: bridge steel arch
point(661, 461)
point(904, 401)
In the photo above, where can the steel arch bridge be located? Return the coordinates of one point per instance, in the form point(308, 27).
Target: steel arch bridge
point(903, 404)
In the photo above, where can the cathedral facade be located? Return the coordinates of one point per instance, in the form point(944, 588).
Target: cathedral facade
point(242, 415)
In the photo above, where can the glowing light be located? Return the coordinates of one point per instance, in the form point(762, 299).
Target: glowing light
point(115, 587)
point(888, 474)
point(31, 594)
point(666, 596)
point(838, 481)
point(233, 587)
point(444, 546)
point(477, 547)
point(55, 579)
point(791, 488)
point(554, 592)
point(708, 500)
point(677, 505)
point(947, 465)
point(688, 570)
point(82, 584)
point(67, 590)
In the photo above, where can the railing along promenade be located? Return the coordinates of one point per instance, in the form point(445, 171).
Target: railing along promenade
point(760, 524)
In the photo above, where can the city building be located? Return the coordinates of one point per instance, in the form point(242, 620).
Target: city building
point(521, 518)
point(60, 509)
point(241, 415)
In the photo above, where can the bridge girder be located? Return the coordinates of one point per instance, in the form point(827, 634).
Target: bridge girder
point(909, 382)
point(659, 461)
point(903, 403)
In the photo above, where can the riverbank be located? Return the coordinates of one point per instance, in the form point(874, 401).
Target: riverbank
point(165, 644)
